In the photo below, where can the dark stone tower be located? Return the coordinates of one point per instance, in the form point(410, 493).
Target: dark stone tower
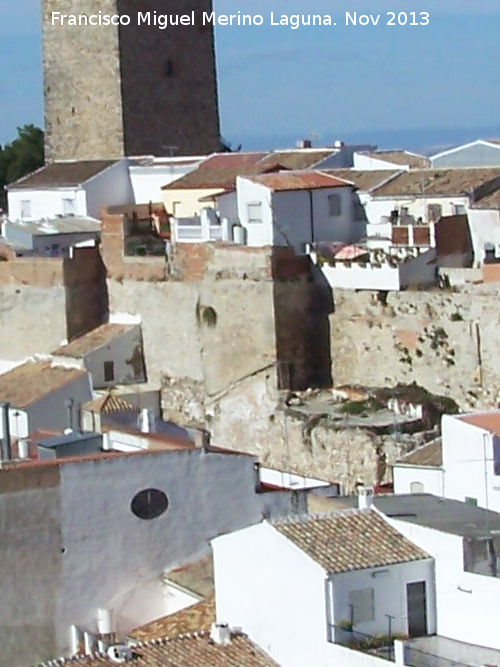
point(129, 90)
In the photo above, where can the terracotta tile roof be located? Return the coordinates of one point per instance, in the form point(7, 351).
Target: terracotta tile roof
point(27, 383)
point(197, 577)
point(429, 455)
point(352, 540)
point(363, 179)
point(403, 158)
point(92, 340)
point(298, 159)
point(62, 174)
point(198, 617)
point(437, 182)
point(219, 171)
point(108, 404)
point(489, 421)
point(193, 650)
point(298, 180)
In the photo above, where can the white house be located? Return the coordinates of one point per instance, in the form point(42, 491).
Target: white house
point(50, 238)
point(149, 174)
point(296, 208)
point(43, 395)
point(112, 353)
point(463, 540)
point(420, 471)
point(304, 588)
point(78, 188)
point(479, 153)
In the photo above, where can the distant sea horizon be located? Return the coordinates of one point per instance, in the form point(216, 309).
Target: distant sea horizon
point(427, 141)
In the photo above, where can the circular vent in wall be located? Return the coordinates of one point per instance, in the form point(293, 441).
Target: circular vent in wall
point(149, 504)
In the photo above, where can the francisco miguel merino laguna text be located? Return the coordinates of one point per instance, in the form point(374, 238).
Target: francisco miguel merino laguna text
point(294, 21)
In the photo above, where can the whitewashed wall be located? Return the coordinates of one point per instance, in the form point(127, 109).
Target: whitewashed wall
point(484, 225)
point(468, 454)
point(432, 479)
point(377, 207)
point(286, 216)
point(467, 605)
point(389, 593)
point(120, 351)
point(364, 161)
point(147, 180)
point(46, 203)
point(277, 594)
point(111, 187)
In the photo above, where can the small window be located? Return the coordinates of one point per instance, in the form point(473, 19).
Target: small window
point(254, 212)
point(460, 209)
point(69, 206)
point(334, 208)
point(434, 212)
point(416, 487)
point(362, 606)
point(26, 209)
point(149, 504)
point(109, 371)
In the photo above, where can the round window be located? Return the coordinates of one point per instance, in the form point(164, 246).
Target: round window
point(149, 504)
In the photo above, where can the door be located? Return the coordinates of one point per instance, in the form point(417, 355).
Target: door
point(416, 602)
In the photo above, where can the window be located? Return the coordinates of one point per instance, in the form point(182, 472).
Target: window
point(334, 208)
point(69, 206)
point(362, 606)
point(416, 487)
point(149, 504)
point(434, 212)
point(26, 209)
point(254, 212)
point(109, 371)
point(460, 209)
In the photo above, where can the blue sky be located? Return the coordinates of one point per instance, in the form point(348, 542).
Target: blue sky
point(326, 82)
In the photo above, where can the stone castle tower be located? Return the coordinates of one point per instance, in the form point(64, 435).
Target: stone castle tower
point(128, 90)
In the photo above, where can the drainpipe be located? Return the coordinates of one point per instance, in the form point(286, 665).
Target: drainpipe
point(6, 450)
point(311, 216)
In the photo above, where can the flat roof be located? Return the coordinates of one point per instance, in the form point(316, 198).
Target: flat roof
point(448, 516)
point(67, 439)
point(55, 226)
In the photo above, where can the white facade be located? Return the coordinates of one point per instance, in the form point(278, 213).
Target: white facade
point(378, 208)
point(107, 188)
point(467, 604)
point(286, 603)
point(296, 217)
point(484, 225)
point(420, 270)
point(151, 174)
point(418, 479)
point(469, 454)
point(479, 153)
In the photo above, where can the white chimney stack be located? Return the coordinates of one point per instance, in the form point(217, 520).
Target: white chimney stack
point(220, 633)
point(145, 420)
point(365, 497)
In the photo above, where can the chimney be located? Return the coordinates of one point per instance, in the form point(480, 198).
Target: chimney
point(365, 497)
point(6, 451)
point(303, 143)
point(145, 421)
point(220, 633)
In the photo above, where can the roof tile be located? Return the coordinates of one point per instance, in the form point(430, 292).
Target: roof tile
point(352, 540)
